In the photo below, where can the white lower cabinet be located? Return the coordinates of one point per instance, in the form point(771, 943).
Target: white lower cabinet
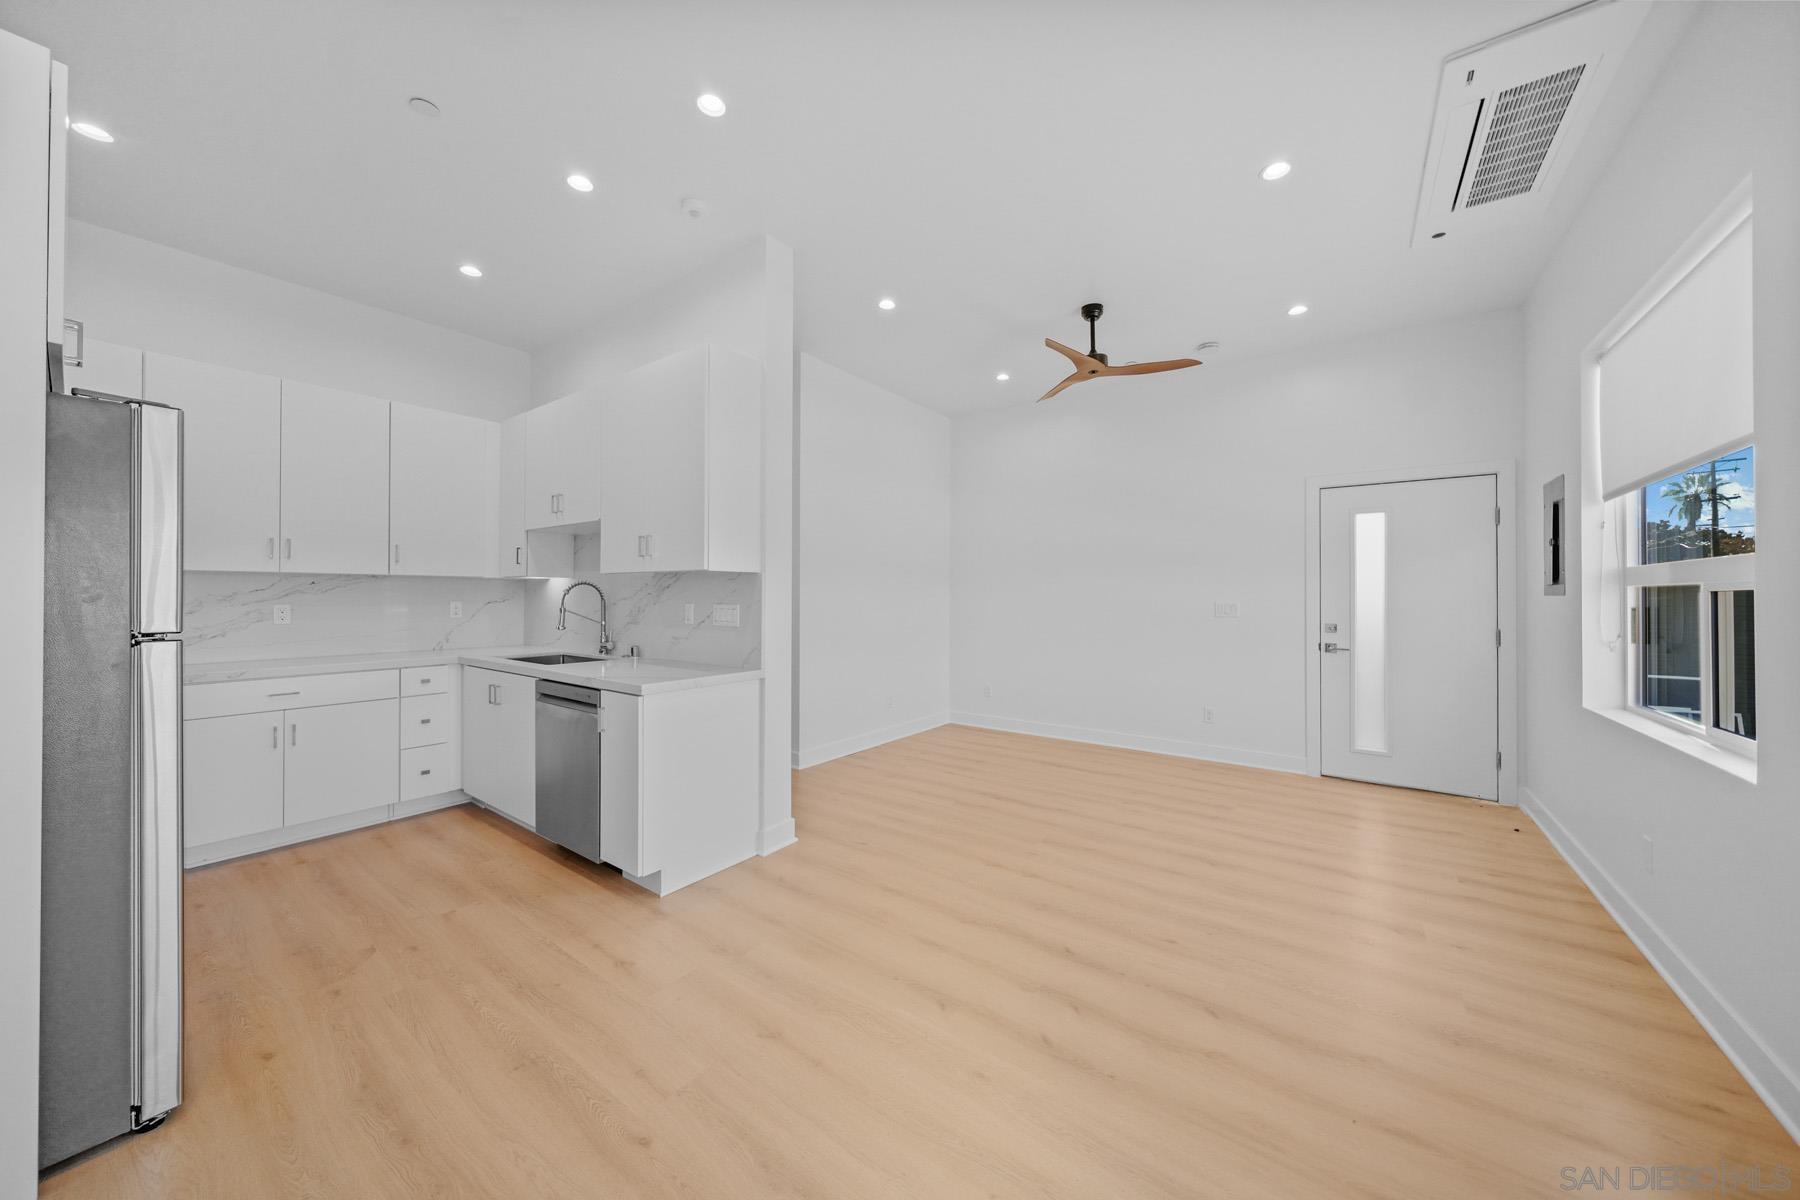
point(337, 755)
point(499, 742)
point(341, 758)
point(232, 785)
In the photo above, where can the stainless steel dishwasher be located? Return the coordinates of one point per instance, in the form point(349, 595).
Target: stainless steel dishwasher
point(568, 766)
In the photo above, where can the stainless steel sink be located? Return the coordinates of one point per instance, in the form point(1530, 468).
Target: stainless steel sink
point(555, 660)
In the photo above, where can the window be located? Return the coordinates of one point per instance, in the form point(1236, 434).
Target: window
point(1692, 599)
point(1668, 562)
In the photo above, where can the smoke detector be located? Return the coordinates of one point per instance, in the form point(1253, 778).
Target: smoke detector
point(693, 207)
point(1510, 115)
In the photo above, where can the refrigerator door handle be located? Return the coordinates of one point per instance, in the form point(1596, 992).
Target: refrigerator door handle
point(156, 499)
point(156, 869)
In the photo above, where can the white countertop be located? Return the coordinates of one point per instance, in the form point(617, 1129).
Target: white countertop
point(636, 677)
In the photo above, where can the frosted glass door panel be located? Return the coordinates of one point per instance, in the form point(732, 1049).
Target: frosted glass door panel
point(1368, 626)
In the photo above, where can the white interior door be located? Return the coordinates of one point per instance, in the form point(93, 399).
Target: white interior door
point(1408, 642)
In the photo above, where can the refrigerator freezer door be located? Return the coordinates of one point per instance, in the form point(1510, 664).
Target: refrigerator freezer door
point(156, 514)
point(156, 798)
point(88, 1010)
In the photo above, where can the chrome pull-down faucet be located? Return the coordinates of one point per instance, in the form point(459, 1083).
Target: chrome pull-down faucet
point(562, 613)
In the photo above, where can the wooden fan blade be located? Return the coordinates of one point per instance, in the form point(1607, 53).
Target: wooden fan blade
point(1150, 368)
point(1082, 362)
point(1077, 377)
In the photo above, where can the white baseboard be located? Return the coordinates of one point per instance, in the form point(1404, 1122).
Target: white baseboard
point(814, 755)
point(1292, 763)
point(293, 835)
point(425, 804)
point(778, 836)
point(1772, 1079)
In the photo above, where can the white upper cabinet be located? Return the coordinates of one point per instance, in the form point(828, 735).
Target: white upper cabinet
point(231, 460)
point(334, 481)
point(442, 480)
point(104, 367)
point(511, 497)
point(681, 466)
point(562, 462)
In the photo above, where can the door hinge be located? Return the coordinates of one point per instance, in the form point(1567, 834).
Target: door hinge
point(1496, 515)
point(1497, 760)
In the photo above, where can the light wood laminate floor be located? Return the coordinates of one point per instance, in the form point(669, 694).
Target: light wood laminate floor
point(993, 965)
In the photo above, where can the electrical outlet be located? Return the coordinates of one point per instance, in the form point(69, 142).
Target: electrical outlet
point(687, 614)
point(1223, 609)
point(456, 608)
point(284, 614)
point(725, 616)
point(1649, 855)
point(1206, 716)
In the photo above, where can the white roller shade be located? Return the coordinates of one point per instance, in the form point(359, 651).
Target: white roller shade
point(1676, 387)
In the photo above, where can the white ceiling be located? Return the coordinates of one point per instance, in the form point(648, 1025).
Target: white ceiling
point(991, 165)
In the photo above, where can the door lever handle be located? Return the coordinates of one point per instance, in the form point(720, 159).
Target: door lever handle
point(1334, 648)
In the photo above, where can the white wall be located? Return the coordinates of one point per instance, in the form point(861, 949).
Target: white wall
point(1094, 533)
point(874, 565)
point(24, 182)
point(743, 301)
point(1717, 915)
point(138, 293)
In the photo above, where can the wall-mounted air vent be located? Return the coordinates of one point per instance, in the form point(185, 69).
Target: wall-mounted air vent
point(1509, 113)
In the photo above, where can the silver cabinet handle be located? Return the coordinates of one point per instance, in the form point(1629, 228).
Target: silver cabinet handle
point(424, 720)
point(272, 695)
point(493, 693)
point(287, 547)
point(424, 679)
point(649, 545)
point(271, 547)
point(425, 770)
point(294, 734)
point(274, 737)
point(1334, 648)
point(518, 556)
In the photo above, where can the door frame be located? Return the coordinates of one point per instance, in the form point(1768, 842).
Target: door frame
point(1507, 553)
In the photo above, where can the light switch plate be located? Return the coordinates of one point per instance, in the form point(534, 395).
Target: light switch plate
point(725, 616)
point(284, 614)
point(687, 614)
point(456, 608)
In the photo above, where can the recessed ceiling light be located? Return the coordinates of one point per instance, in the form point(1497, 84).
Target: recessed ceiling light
point(1297, 311)
point(711, 105)
point(581, 183)
point(471, 270)
point(1002, 377)
point(885, 304)
point(1276, 170)
point(88, 129)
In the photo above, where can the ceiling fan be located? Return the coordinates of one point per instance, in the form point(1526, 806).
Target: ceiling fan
point(1093, 364)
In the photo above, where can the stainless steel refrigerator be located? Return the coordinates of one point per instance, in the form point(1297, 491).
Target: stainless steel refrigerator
point(111, 1016)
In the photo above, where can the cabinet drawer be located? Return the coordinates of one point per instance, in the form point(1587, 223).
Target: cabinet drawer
point(425, 721)
point(426, 681)
point(428, 770)
point(300, 691)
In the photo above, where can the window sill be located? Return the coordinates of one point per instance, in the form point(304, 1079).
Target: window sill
point(1689, 744)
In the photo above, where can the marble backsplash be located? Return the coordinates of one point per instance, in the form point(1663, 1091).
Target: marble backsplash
point(230, 616)
point(648, 610)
